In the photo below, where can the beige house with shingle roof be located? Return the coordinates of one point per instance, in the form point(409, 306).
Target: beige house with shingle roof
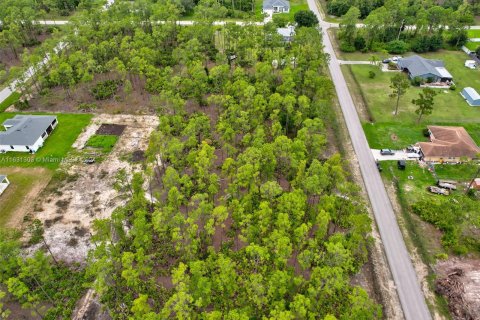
point(449, 144)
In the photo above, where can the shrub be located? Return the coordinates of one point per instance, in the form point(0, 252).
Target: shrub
point(305, 18)
point(371, 74)
point(397, 47)
point(22, 104)
point(427, 43)
point(417, 81)
point(426, 132)
point(346, 47)
point(87, 106)
point(392, 65)
point(280, 20)
point(453, 87)
point(106, 89)
point(360, 43)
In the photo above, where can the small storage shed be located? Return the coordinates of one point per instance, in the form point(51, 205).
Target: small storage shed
point(471, 96)
point(3, 183)
point(471, 64)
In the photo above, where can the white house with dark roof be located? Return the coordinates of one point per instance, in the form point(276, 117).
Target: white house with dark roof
point(417, 66)
point(275, 6)
point(26, 133)
point(4, 183)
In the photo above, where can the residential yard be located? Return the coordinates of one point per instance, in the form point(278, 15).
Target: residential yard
point(353, 56)
point(472, 46)
point(473, 33)
point(25, 185)
point(449, 107)
point(396, 135)
point(56, 146)
point(295, 6)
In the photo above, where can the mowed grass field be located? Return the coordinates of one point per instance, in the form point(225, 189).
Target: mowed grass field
point(25, 185)
point(56, 146)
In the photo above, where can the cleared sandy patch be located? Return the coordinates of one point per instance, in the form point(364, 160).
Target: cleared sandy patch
point(69, 211)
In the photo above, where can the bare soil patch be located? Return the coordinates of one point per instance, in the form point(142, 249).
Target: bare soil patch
point(459, 282)
point(111, 129)
point(69, 210)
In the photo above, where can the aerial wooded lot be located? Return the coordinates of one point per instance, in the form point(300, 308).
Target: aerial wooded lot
point(241, 207)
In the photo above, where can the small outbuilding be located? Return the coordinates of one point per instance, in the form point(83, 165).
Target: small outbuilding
point(4, 183)
point(471, 96)
point(471, 64)
point(287, 33)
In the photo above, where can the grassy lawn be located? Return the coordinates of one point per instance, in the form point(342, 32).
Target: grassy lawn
point(9, 101)
point(449, 106)
point(103, 142)
point(473, 33)
point(25, 184)
point(56, 146)
point(472, 45)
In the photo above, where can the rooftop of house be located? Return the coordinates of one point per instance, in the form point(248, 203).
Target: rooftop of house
point(286, 32)
point(24, 130)
point(419, 66)
point(449, 142)
point(269, 4)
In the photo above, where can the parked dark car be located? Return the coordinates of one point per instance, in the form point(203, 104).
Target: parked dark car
point(386, 60)
point(401, 164)
point(387, 152)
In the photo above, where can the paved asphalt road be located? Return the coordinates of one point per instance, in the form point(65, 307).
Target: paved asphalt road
point(404, 275)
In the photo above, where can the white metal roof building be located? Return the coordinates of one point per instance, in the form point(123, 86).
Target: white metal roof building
point(471, 96)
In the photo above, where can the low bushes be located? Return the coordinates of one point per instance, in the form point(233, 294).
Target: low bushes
point(106, 89)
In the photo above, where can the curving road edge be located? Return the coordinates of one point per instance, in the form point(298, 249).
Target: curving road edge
point(408, 287)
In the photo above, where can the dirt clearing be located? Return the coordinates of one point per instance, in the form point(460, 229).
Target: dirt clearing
point(459, 282)
point(17, 200)
point(88, 194)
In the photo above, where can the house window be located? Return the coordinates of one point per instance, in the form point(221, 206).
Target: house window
point(11, 147)
point(54, 121)
point(44, 134)
point(28, 148)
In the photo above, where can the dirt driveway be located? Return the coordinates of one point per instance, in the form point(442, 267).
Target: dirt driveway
point(88, 193)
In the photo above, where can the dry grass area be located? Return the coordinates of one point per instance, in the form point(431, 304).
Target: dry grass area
point(68, 210)
point(59, 100)
point(17, 200)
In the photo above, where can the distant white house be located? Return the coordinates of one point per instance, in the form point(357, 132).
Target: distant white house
point(275, 6)
point(287, 33)
point(3, 183)
point(26, 133)
point(471, 64)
